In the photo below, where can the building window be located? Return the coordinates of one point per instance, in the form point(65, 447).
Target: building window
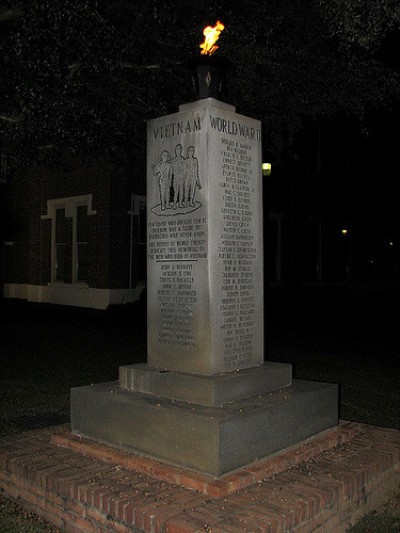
point(81, 246)
point(142, 222)
point(138, 237)
point(59, 266)
point(73, 213)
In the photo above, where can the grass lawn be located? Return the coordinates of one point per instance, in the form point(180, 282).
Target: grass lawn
point(340, 335)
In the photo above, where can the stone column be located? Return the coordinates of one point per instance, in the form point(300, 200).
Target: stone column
point(205, 267)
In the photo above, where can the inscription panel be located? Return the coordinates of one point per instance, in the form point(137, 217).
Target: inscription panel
point(177, 241)
point(204, 257)
point(237, 245)
point(237, 252)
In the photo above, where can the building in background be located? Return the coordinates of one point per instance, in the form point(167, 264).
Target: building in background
point(75, 233)
point(333, 213)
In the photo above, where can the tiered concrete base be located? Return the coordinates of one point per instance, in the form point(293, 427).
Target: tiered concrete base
point(206, 438)
point(215, 390)
point(324, 484)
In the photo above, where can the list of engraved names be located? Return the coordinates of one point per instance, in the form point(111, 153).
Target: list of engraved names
point(237, 252)
point(176, 244)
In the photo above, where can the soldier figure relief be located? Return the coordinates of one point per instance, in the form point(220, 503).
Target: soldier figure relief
point(178, 180)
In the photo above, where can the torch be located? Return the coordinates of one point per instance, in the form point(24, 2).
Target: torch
point(208, 70)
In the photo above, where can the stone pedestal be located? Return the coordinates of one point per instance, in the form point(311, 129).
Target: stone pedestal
point(205, 400)
point(212, 440)
point(214, 391)
point(205, 273)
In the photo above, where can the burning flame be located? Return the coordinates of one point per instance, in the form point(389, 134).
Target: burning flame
point(211, 36)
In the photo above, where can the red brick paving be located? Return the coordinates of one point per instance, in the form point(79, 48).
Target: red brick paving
point(223, 486)
point(84, 487)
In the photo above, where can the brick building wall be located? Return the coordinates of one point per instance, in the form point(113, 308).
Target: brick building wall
point(29, 263)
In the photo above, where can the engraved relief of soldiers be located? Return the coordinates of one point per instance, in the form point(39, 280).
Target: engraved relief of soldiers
point(192, 177)
point(163, 170)
point(178, 176)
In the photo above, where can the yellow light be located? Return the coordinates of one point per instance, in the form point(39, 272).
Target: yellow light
point(344, 231)
point(266, 169)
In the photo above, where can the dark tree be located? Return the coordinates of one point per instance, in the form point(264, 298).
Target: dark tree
point(85, 75)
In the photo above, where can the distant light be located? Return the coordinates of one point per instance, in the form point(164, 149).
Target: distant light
point(391, 243)
point(344, 231)
point(266, 169)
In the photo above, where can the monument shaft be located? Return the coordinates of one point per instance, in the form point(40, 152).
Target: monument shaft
point(205, 273)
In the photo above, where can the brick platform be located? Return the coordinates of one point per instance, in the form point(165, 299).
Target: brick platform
point(322, 485)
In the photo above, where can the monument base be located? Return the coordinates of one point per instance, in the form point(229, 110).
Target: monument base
point(213, 440)
point(215, 390)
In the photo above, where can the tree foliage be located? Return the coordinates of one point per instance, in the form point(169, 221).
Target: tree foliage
point(87, 74)
point(361, 23)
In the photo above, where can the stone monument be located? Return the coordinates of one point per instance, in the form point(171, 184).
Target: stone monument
point(205, 240)
point(205, 400)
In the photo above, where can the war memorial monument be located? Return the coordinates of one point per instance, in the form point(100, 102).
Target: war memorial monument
point(206, 399)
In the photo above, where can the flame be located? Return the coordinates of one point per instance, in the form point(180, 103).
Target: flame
point(211, 36)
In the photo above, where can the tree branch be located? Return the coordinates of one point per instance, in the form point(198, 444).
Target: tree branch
point(7, 118)
point(127, 64)
point(10, 14)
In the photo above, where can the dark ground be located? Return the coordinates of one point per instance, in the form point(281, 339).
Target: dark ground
point(342, 334)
